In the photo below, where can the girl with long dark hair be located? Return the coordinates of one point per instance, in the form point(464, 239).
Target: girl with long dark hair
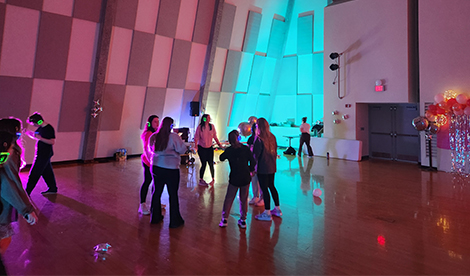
point(265, 152)
point(205, 132)
point(167, 149)
point(150, 127)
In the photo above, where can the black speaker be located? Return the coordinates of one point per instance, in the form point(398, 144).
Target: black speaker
point(290, 151)
point(194, 109)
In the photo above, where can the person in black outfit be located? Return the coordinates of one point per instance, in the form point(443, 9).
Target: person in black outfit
point(242, 164)
point(305, 137)
point(45, 136)
point(257, 199)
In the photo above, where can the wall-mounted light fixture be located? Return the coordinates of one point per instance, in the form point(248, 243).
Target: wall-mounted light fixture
point(336, 67)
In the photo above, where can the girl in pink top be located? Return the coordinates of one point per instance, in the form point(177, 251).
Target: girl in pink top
point(150, 128)
point(205, 132)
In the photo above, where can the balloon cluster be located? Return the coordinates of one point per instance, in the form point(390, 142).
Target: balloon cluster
point(448, 103)
point(445, 104)
point(245, 128)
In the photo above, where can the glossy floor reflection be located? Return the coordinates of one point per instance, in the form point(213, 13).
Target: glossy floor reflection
point(374, 217)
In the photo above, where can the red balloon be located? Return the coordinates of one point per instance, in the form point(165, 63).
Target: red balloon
point(432, 108)
point(440, 110)
point(468, 102)
point(444, 106)
point(456, 107)
point(451, 102)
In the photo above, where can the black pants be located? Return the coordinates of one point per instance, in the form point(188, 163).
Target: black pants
point(41, 167)
point(206, 155)
point(266, 181)
point(170, 177)
point(145, 186)
point(305, 138)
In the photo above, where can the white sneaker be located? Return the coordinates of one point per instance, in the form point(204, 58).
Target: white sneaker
point(143, 209)
point(266, 216)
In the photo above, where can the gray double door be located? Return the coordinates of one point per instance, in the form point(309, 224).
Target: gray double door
point(391, 134)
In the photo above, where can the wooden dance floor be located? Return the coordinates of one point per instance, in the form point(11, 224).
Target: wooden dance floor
point(373, 218)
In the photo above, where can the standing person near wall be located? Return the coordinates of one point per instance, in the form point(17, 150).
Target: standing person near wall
point(150, 127)
point(265, 152)
point(167, 148)
point(12, 193)
point(45, 136)
point(257, 199)
point(242, 164)
point(305, 137)
point(205, 132)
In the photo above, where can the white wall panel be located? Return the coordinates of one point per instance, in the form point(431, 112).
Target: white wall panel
point(173, 103)
point(186, 19)
point(146, 18)
point(161, 58)
point(82, 51)
point(196, 65)
point(119, 52)
point(218, 69)
point(63, 7)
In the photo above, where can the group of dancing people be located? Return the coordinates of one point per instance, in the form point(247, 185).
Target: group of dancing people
point(255, 163)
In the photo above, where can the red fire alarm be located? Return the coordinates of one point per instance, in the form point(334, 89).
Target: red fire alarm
point(379, 87)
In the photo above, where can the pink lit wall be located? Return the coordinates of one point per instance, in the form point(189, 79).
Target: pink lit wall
point(47, 61)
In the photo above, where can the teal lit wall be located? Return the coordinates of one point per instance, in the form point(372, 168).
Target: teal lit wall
point(280, 74)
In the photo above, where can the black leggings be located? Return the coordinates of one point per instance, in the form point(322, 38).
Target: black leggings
point(145, 186)
point(266, 181)
point(206, 155)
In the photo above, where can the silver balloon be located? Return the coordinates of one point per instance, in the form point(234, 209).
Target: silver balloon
point(244, 129)
point(433, 128)
point(252, 120)
point(420, 123)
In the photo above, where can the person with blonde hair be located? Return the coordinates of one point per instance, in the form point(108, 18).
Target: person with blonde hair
point(265, 153)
